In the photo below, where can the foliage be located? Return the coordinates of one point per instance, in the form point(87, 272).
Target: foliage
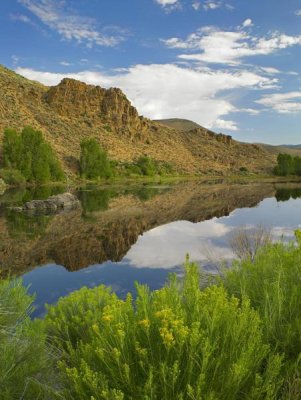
point(288, 165)
point(145, 166)
point(24, 363)
point(94, 163)
point(178, 342)
point(95, 199)
point(12, 176)
point(272, 283)
point(31, 226)
point(31, 156)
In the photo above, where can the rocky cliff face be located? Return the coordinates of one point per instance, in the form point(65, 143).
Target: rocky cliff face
point(72, 110)
point(74, 99)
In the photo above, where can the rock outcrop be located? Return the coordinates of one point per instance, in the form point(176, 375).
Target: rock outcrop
point(72, 98)
point(54, 204)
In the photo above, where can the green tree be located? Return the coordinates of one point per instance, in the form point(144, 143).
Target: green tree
point(12, 148)
point(29, 153)
point(94, 163)
point(297, 162)
point(286, 165)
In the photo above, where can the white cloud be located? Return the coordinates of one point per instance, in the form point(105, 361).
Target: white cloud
point(170, 5)
point(69, 26)
point(283, 103)
point(196, 4)
point(65, 63)
point(247, 23)
point(212, 5)
point(298, 13)
point(15, 60)
point(223, 124)
point(212, 45)
point(166, 2)
point(166, 246)
point(270, 70)
point(165, 91)
point(20, 17)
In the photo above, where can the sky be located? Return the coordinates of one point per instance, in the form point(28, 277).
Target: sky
point(230, 65)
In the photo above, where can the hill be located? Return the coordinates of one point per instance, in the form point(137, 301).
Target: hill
point(72, 110)
point(293, 150)
point(180, 124)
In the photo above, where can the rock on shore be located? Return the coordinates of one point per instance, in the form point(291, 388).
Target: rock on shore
point(52, 204)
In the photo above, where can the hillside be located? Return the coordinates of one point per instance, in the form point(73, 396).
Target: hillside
point(293, 150)
point(72, 110)
point(180, 124)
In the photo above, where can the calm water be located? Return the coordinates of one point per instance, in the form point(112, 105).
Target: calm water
point(140, 233)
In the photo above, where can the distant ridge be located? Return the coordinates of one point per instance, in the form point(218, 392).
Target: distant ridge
point(180, 124)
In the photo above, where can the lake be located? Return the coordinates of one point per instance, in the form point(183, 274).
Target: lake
point(142, 233)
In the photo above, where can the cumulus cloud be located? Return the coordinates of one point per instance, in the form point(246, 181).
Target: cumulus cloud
point(283, 103)
point(70, 26)
point(223, 124)
point(166, 90)
point(212, 45)
point(298, 13)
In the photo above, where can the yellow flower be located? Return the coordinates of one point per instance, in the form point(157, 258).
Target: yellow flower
point(95, 328)
point(107, 318)
point(145, 323)
point(167, 337)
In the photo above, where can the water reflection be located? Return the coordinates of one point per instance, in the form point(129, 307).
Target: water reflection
point(122, 234)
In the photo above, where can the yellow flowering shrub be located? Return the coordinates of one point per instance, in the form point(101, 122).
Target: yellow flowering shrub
point(179, 342)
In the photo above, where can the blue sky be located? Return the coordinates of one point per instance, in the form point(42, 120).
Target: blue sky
point(230, 65)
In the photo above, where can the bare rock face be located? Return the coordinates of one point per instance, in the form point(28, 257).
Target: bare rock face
point(72, 98)
point(66, 201)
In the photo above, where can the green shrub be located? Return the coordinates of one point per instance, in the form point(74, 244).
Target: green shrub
point(175, 343)
point(243, 169)
point(146, 165)
point(31, 156)
point(25, 367)
point(272, 282)
point(12, 176)
point(94, 163)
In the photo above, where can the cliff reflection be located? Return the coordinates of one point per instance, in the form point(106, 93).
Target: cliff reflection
point(111, 220)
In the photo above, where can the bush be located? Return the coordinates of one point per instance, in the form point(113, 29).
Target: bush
point(25, 367)
point(94, 163)
point(31, 156)
point(272, 282)
point(178, 342)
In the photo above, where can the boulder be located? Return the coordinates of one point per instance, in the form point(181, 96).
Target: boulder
point(52, 204)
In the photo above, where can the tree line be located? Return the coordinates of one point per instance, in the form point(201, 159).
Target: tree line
point(288, 165)
point(27, 157)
